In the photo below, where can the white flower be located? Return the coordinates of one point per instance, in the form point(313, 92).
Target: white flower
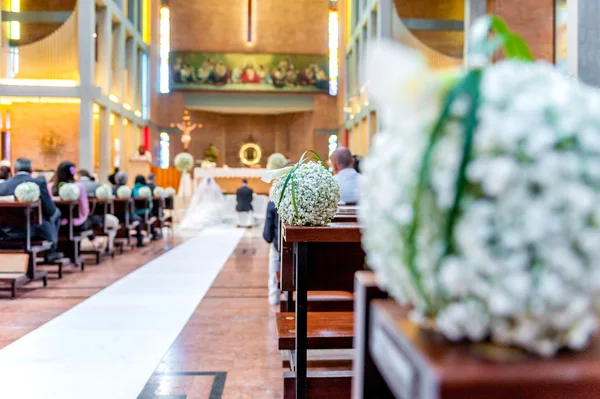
point(158, 192)
point(170, 192)
point(276, 161)
point(69, 192)
point(145, 192)
point(27, 192)
point(522, 264)
point(271, 175)
point(124, 192)
point(103, 192)
point(317, 194)
point(184, 161)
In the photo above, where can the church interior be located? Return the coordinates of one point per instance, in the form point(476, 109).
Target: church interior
point(312, 199)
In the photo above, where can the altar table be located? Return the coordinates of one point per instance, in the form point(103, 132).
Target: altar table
point(230, 179)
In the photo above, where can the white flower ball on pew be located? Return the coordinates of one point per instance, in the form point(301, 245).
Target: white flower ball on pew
point(490, 232)
point(145, 192)
point(103, 192)
point(276, 161)
point(124, 192)
point(69, 192)
point(27, 192)
point(317, 194)
point(158, 192)
point(170, 192)
point(184, 162)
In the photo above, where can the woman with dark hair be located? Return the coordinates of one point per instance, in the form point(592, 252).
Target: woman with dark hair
point(5, 173)
point(65, 173)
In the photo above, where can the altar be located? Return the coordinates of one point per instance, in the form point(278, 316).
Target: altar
point(230, 179)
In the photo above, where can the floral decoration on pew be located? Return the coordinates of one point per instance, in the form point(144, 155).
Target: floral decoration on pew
point(305, 194)
point(480, 202)
point(123, 192)
point(145, 192)
point(184, 162)
point(27, 192)
point(68, 192)
point(158, 192)
point(170, 192)
point(104, 192)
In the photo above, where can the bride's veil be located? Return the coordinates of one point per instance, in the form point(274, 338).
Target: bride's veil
point(206, 204)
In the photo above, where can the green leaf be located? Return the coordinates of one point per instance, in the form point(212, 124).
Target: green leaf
point(514, 46)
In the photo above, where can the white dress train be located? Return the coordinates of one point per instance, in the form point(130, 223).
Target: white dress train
point(205, 208)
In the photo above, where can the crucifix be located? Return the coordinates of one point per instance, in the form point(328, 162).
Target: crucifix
point(186, 126)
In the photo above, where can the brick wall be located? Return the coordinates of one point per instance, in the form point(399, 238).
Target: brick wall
point(31, 121)
point(293, 27)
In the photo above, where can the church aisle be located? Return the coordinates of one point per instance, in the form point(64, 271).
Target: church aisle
point(108, 345)
point(230, 341)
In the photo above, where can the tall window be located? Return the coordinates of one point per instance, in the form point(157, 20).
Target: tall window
point(165, 150)
point(333, 51)
point(165, 47)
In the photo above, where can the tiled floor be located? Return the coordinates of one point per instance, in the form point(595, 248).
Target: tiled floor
point(229, 340)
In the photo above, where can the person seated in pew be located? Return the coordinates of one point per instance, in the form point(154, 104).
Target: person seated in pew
point(5, 173)
point(65, 173)
point(346, 175)
point(85, 180)
point(140, 181)
point(48, 229)
point(121, 180)
point(271, 235)
point(151, 181)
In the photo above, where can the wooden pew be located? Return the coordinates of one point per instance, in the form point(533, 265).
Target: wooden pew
point(26, 214)
point(100, 208)
point(323, 301)
point(13, 270)
point(122, 209)
point(70, 236)
point(158, 212)
point(168, 209)
point(324, 259)
point(148, 219)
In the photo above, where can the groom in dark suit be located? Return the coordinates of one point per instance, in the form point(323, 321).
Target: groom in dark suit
point(244, 209)
point(48, 229)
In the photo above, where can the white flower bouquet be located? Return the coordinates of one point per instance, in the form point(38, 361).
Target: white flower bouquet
point(184, 161)
point(481, 200)
point(145, 192)
point(68, 192)
point(276, 161)
point(27, 192)
point(170, 192)
point(158, 192)
point(306, 194)
point(124, 192)
point(103, 192)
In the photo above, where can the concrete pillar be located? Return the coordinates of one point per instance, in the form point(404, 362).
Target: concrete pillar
point(474, 9)
point(105, 146)
point(105, 50)
point(132, 74)
point(125, 151)
point(119, 63)
point(87, 20)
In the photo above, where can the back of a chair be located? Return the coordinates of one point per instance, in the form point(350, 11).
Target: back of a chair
point(170, 203)
point(100, 207)
point(158, 207)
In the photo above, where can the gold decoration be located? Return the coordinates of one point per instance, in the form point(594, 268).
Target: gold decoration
point(250, 154)
point(51, 143)
point(186, 126)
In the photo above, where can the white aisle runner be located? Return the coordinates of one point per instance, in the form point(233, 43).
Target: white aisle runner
point(108, 346)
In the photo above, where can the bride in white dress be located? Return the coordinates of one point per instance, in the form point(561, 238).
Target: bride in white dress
point(206, 207)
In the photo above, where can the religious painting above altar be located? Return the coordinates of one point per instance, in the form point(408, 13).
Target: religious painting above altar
point(249, 72)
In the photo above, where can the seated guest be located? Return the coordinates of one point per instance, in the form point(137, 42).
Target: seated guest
point(85, 180)
point(271, 235)
point(48, 229)
point(5, 173)
point(357, 161)
point(121, 180)
point(346, 175)
point(111, 178)
point(140, 181)
point(152, 181)
point(66, 174)
point(244, 196)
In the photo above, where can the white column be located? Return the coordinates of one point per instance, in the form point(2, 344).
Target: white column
point(132, 73)
point(105, 145)
point(474, 9)
point(125, 151)
point(587, 49)
point(119, 54)
point(105, 50)
point(86, 10)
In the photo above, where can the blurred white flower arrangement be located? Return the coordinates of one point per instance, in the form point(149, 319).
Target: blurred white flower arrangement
point(306, 194)
point(480, 202)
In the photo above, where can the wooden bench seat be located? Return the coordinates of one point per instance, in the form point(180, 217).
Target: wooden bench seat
point(323, 301)
point(325, 330)
point(123, 208)
point(335, 384)
point(13, 270)
point(70, 236)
